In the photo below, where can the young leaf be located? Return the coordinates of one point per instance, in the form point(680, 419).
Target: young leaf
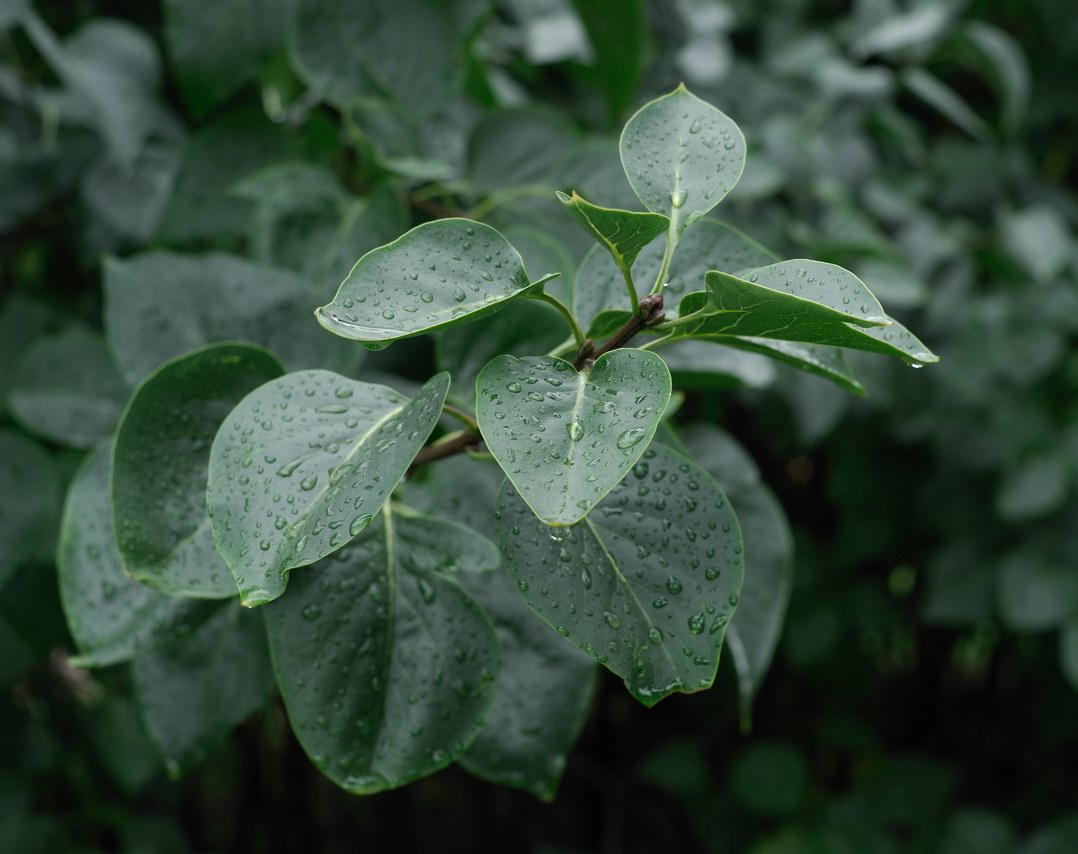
point(161, 304)
point(754, 633)
point(111, 617)
point(682, 156)
point(408, 658)
point(163, 532)
point(564, 438)
point(546, 685)
point(67, 389)
point(622, 233)
point(646, 584)
point(303, 464)
point(193, 693)
point(439, 274)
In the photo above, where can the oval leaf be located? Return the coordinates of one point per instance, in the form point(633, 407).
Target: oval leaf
point(302, 465)
point(646, 584)
point(111, 617)
point(439, 274)
point(564, 438)
point(160, 462)
point(408, 659)
point(622, 233)
point(682, 156)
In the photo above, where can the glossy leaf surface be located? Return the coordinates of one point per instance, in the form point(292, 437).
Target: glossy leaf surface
point(646, 584)
point(303, 464)
point(111, 617)
point(408, 659)
point(622, 233)
point(160, 463)
point(193, 693)
point(564, 438)
point(438, 274)
point(682, 156)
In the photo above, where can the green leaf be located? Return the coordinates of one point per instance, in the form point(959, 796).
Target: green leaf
point(1068, 651)
point(519, 147)
point(303, 464)
point(622, 233)
point(159, 305)
point(646, 584)
point(401, 49)
point(699, 365)
point(215, 48)
point(22, 321)
point(160, 461)
point(545, 686)
point(564, 438)
point(1036, 591)
point(682, 156)
point(193, 693)
point(753, 635)
point(66, 388)
point(710, 245)
point(407, 658)
point(1008, 67)
point(439, 274)
point(827, 362)
point(111, 617)
point(616, 31)
point(946, 101)
point(29, 500)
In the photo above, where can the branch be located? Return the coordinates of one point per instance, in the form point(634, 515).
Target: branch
point(650, 313)
point(456, 444)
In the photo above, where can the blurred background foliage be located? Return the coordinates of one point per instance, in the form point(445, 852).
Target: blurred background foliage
point(925, 692)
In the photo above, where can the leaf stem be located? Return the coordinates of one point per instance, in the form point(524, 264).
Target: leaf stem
point(447, 446)
point(649, 313)
point(465, 418)
point(578, 333)
point(668, 253)
point(630, 286)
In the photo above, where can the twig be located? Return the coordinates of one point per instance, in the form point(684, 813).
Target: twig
point(458, 444)
point(650, 313)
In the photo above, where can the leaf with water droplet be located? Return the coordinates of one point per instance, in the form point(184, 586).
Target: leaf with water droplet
point(160, 461)
point(194, 692)
point(408, 659)
point(340, 459)
point(754, 633)
point(561, 470)
point(111, 617)
point(682, 156)
point(667, 518)
point(622, 233)
point(437, 275)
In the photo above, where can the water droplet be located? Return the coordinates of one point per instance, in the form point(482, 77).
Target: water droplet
point(576, 430)
point(359, 523)
point(631, 437)
point(678, 197)
point(611, 619)
point(308, 483)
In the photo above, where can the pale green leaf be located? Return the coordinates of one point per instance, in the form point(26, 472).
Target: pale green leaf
point(160, 462)
point(303, 464)
point(646, 584)
point(565, 438)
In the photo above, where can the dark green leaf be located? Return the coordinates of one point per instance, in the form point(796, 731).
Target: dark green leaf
point(622, 233)
point(29, 500)
point(66, 388)
point(682, 156)
point(161, 304)
point(408, 659)
point(616, 30)
point(192, 694)
point(946, 101)
point(564, 438)
point(160, 462)
point(439, 274)
point(646, 584)
point(301, 467)
point(111, 617)
point(519, 147)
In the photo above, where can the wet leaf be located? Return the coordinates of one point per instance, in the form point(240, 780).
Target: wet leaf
point(111, 617)
point(439, 274)
point(407, 658)
point(646, 584)
point(303, 464)
point(160, 463)
point(622, 233)
point(564, 438)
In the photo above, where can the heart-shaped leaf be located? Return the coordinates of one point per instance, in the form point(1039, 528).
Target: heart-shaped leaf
point(439, 274)
point(194, 692)
point(302, 465)
point(682, 156)
point(111, 617)
point(159, 466)
point(622, 233)
point(407, 658)
point(564, 438)
point(646, 584)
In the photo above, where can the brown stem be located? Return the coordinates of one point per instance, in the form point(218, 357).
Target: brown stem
point(650, 313)
point(457, 445)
